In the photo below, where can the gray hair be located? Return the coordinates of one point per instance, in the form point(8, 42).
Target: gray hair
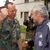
point(41, 8)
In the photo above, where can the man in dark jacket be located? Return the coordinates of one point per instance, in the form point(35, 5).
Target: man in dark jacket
point(40, 15)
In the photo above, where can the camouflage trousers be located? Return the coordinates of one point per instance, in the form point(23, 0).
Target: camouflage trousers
point(7, 46)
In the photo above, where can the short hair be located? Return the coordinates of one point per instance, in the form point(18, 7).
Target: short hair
point(41, 8)
point(6, 5)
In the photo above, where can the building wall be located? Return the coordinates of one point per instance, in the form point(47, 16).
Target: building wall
point(24, 7)
point(21, 1)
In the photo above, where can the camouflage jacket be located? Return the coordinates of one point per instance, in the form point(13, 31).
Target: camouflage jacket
point(10, 28)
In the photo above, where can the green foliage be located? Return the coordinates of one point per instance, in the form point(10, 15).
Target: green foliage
point(22, 29)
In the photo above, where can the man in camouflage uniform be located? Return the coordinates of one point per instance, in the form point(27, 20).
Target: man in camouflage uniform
point(10, 29)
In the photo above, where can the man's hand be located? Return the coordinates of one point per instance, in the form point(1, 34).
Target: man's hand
point(4, 12)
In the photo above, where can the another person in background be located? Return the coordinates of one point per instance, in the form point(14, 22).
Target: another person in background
point(31, 29)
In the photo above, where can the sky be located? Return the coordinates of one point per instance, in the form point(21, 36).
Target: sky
point(2, 2)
